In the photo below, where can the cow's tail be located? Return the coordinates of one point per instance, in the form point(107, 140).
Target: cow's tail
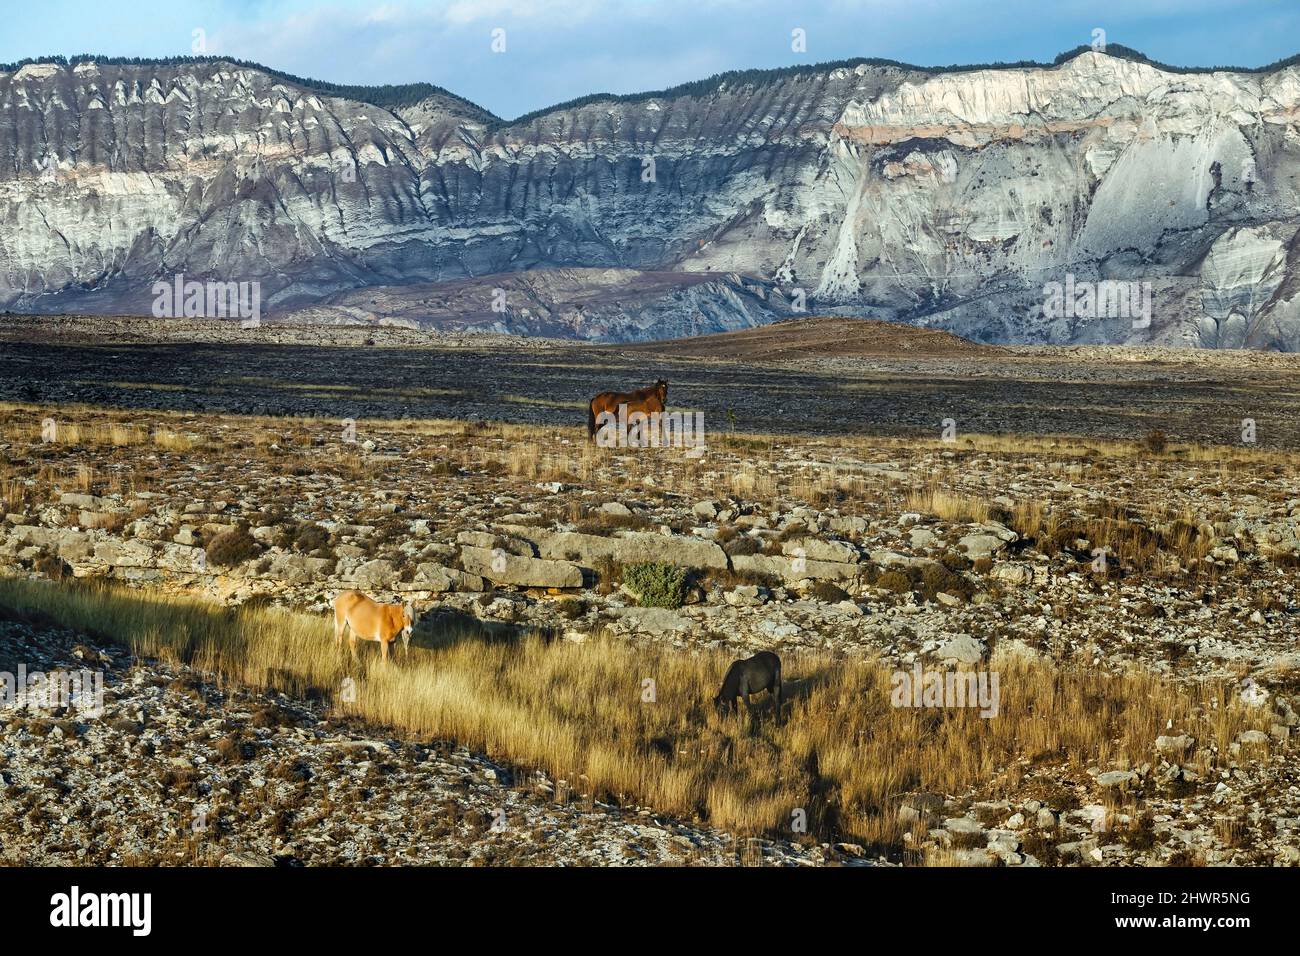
point(591, 420)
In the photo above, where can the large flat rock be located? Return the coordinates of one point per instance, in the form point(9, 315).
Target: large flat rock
point(633, 548)
point(791, 569)
point(500, 566)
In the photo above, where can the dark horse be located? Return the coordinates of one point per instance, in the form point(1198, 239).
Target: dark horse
point(649, 400)
point(760, 672)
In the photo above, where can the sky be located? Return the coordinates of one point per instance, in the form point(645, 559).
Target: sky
point(548, 51)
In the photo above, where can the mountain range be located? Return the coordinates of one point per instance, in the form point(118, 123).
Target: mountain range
point(960, 198)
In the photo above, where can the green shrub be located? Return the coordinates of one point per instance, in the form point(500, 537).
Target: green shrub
point(656, 584)
point(936, 578)
point(304, 536)
point(571, 608)
point(233, 547)
point(828, 592)
point(954, 561)
point(741, 545)
point(894, 581)
point(310, 538)
point(726, 579)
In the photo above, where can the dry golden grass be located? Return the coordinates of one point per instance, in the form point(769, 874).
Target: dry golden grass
point(172, 440)
point(947, 505)
point(841, 751)
point(14, 494)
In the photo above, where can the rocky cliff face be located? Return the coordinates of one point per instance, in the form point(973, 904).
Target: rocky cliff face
point(952, 199)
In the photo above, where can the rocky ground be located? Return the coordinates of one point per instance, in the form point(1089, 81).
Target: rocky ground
point(176, 770)
point(1167, 557)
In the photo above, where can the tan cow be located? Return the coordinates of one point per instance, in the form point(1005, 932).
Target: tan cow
point(371, 621)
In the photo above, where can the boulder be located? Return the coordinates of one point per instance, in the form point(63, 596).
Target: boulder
point(1003, 841)
point(848, 525)
point(297, 569)
point(652, 620)
point(178, 557)
point(1120, 779)
point(922, 538)
point(98, 519)
point(497, 565)
point(894, 559)
point(435, 577)
point(704, 510)
point(483, 539)
point(75, 547)
point(792, 569)
point(1013, 574)
point(1175, 748)
point(378, 575)
point(632, 548)
point(979, 545)
point(86, 502)
point(124, 554)
point(986, 540)
point(962, 649)
point(746, 595)
point(820, 549)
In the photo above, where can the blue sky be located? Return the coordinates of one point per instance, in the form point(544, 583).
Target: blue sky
point(558, 49)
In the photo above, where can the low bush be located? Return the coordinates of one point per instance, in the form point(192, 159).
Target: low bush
point(232, 547)
point(656, 584)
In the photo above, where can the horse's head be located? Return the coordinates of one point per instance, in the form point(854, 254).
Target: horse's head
point(409, 618)
point(661, 389)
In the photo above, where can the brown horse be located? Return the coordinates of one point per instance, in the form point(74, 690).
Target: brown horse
point(650, 400)
point(370, 621)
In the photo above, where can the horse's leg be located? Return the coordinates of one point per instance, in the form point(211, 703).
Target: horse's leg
point(383, 649)
point(406, 646)
point(340, 622)
point(352, 643)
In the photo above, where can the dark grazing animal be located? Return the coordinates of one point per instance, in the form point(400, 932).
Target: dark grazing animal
point(760, 672)
point(650, 399)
